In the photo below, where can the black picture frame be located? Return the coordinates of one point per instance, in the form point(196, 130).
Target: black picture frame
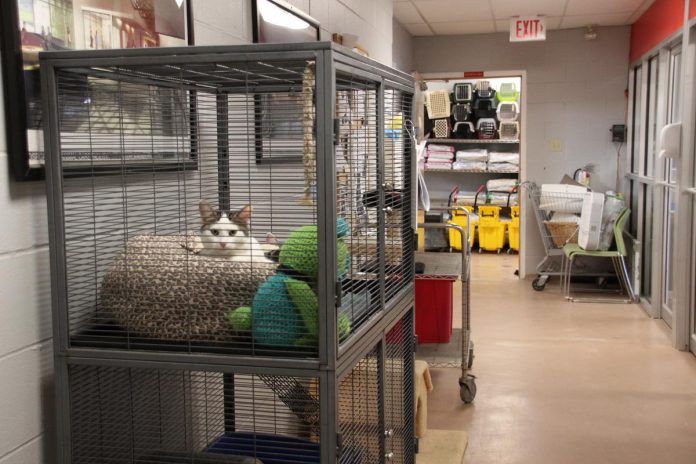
point(263, 104)
point(14, 86)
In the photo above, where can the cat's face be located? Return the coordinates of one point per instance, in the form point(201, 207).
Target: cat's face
point(222, 232)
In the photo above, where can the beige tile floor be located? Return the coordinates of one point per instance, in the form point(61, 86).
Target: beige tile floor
point(566, 383)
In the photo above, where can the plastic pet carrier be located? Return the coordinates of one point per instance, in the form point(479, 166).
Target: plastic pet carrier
point(464, 130)
point(461, 112)
point(438, 104)
point(484, 91)
point(441, 128)
point(508, 111)
point(486, 128)
point(509, 130)
point(463, 92)
point(508, 92)
point(484, 109)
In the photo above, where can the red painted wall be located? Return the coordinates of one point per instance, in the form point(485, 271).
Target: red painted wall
point(662, 19)
point(692, 9)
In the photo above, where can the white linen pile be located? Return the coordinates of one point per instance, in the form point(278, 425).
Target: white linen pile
point(471, 160)
point(503, 162)
point(439, 157)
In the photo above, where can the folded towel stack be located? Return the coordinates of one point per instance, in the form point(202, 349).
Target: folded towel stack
point(503, 162)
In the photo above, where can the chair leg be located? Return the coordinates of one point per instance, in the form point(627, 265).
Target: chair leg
point(622, 275)
point(627, 279)
point(569, 275)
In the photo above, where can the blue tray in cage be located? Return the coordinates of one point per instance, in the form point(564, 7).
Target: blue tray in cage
point(276, 449)
point(269, 449)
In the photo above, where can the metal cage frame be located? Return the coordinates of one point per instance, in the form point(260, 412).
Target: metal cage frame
point(335, 359)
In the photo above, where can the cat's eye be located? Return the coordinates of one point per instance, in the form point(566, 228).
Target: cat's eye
point(215, 232)
point(232, 233)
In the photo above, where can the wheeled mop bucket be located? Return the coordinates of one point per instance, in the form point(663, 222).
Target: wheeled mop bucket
point(491, 230)
point(449, 267)
point(460, 216)
point(514, 229)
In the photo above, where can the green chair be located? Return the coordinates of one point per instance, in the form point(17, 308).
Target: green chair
point(617, 256)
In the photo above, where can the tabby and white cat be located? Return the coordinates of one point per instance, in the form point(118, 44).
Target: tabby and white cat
point(226, 234)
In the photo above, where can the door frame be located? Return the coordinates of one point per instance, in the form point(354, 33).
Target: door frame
point(524, 223)
point(684, 271)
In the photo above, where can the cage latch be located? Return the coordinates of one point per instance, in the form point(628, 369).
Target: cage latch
point(339, 294)
point(336, 131)
point(339, 445)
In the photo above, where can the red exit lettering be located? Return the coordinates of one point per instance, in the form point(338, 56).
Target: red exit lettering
point(528, 28)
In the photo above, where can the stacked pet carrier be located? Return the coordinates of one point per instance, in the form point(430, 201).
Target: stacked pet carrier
point(232, 255)
point(474, 111)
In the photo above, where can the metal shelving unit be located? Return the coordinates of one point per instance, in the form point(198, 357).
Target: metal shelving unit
point(166, 353)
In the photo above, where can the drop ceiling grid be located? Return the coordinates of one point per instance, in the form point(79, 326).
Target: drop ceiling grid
point(452, 17)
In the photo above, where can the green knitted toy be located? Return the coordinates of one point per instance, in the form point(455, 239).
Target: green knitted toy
point(285, 310)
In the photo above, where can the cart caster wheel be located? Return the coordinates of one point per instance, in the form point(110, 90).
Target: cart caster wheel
point(467, 388)
point(480, 250)
point(538, 285)
point(500, 250)
point(509, 251)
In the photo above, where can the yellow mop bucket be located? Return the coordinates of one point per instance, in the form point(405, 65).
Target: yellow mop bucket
point(491, 231)
point(514, 229)
point(459, 218)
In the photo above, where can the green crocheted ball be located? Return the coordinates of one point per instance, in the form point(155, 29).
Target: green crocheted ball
point(240, 319)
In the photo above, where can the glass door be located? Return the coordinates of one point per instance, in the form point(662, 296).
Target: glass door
point(669, 190)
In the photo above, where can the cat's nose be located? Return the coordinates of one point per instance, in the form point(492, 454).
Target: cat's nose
point(223, 245)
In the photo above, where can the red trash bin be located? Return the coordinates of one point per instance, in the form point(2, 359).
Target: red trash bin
point(434, 310)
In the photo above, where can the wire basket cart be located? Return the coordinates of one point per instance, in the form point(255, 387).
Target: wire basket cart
point(452, 266)
point(554, 215)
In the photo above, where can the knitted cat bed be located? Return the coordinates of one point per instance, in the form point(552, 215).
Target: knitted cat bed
point(158, 286)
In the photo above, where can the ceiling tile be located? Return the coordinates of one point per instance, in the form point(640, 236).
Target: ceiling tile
point(601, 7)
point(463, 27)
point(439, 11)
point(418, 29)
point(406, 13)
point(503, 9)
point(614, 19)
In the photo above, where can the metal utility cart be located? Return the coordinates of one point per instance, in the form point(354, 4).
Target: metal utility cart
point(452, 266)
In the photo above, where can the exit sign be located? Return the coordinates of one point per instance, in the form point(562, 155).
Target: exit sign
point(527, 29)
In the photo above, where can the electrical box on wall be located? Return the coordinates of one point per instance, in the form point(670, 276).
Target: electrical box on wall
point(618, 133)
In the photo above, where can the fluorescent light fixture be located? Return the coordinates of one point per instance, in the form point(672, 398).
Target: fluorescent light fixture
point(179, 3)
point(275, 15)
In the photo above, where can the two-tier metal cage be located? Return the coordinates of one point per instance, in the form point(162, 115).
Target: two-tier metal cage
point(232, 255)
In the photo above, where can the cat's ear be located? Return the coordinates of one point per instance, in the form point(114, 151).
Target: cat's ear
point(244, 215)
point(272, 239)
point(208, 214)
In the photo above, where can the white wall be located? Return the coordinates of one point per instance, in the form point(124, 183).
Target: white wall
point(26, 361)
point(229, 22)
point(26, 390)
point(402, 48)
point(575, 92)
